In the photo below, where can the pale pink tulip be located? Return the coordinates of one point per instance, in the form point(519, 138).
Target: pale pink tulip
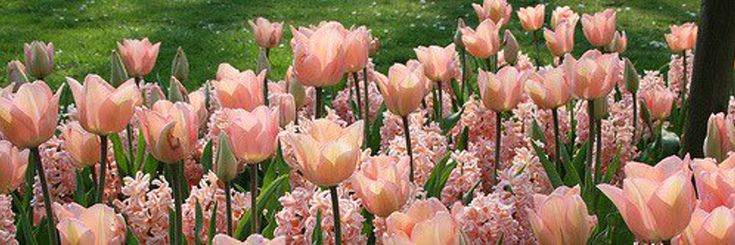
point(592, 76)
point(103, 109)
point(139, 56)
point(655, 202)
point(356, 49)
point(254, 239)
point(286, 106)
point(496, 10)
point(239, 90)
point(319, 57)
point(267, 34)
point(482, 43)
point(619, 43)
point(682, 37)
point(561, 217)
point(426, 222)
point(83, 146)
point(404, 88)
point(563, 14)
point(28, 117)
point(560, 41)
point(720, 139)
point(13, 164)
point(245, 128)
point(532, 18)
point(715, 183)
point(198, 100)
point(439, 63)
point(599, 29)
point(382, 184)
point(548, 88)
point(658, 100)
point(96, 225)
point(170, 130)
point(39, 58)
point(502, 91)
point(715, 227)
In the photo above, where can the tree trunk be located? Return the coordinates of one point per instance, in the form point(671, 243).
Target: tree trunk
point(712, 73)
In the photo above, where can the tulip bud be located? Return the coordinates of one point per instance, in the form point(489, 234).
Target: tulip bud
point(600, 108)
point(177, 91)
point(226, 162)
point(720, 137)
point(458, 34)
point(510, 50)
point(263, 63)
point(154, 94)
point(39, 59)
point(17, 74)
point(632, 80)
point(296, 89)
point(374, 45)
point(118, 73)
point(180, 66)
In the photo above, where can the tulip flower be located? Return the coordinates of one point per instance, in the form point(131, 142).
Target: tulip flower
point(382, 184)
point(561, 217)
point(715, 183)
point(563, 14)
point(532, 18)
point(226, 171)
point(139, 56)
point(28, 117)
point(103, 109)
point(592, 76)
point(619, 43)
point(83, 147)
point(356, 49)
point(656, 202)
point(239, 90)
point(254, 239)
point(658, 101)
point(198, 100)
point(16, 74)
point(244, 128)
point(319, 57)
point(682, 37)
point(267, 34)
point(548, 88)
point(170, 130)
point(425, 222)
point(481, 43)
point(502, 91)
point(39, 59)
point(560, 41)
point(98, 224)
point(496, 10)
point(180, 66)
point(510, 48)
point(599, 29)
point(13, 165)
point(716, 227)
point(295, 88)
point(286, 107)
point(440, 63)
point(720, 139)
point(403, 88)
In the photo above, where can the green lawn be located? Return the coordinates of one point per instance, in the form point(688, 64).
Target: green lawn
point(214, 31)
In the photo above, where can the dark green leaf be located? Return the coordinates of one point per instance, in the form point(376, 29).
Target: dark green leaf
point(548, 167)
point(448, 123)
point(120, 159)
point(198, 220)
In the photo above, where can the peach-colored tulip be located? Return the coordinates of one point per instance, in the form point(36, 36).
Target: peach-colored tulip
point(715, 183)
point(327, 153)
point(254, 239)
point(682, 37)
point(239, 90)
point(286, 106)
point(13, 164)
point(599, 29)
point(482, 43)
point(563, 14)
point(655, 202)
point(619, 43)
point(139, 56)
point(319, 57)
point(382, 184)
point(716, 227)
point(720, 138)
point(404, 88)
point(532, 18)
point(356, 49)
point(198, 100)
point(244, 128)
point(439, 63)
point(170, 129)
point(658, 101)
point(560, 41)
point(102, 108)
point(592, 76)
point(16, 73)
point(548, 88)
point(96, 225)
point(502, 91)
point(267, 34)
point(83, 146)
point(39, 58)
point(426, 222)
point(28, 117)
point(496, 10)
point(561, 217)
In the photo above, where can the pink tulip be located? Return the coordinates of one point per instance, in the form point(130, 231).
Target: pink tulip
point(286, 107)
point(658, 100)
point(548, 88)
point(716, 227)
point(83, 147)
point(439, 63)
point(563, 14)
point(374, 45)
point(39, 58)
point(356, 49)
point(404, 88)
point(170, 130)
point(16, 73)
point(682, 37)
point(267, 34)
point(382, 184)
point(98, 224)
point(482, 43)
point(197, 99)
point(327, 153)
point(655, 202)
point(561, 217)
point(254, 239)
point(715, 183)
point(502, 91)
point(239, 90)
point(619, 43)
point(560, 41)
point(245, 128)
point(720, 138)
point(103, 109)
point(319, 57)
point(599, 29)
point(426, 222)
point(532, 18)
point(592, 76)
point(139, 56)
point(496, 10)
point(13, 164)
point(28, 117)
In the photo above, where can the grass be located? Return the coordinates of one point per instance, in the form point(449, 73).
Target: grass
point(214, 31)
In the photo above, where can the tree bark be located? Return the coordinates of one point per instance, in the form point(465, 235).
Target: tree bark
point(712, 71)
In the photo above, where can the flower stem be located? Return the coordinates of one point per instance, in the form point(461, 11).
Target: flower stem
point(598, 152)
point(557, 140)
point(498, 135)
point(407, 133)
point(366, 129)
point(684, 81)
point(178, 200)
point(131, 154)
point(254, 197)
point(535, 46)
point(357, 96)
point(463, 59)
point(591, 128)
point(318, 109)
point(335, 212)
point(103, 169)
point(635, 115)
point(439, 100)
point(36, 158)
point(228, 200)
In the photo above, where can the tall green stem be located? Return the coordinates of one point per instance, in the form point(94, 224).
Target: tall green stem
point(463, 60)
point(535, 46)
point(254, 197)
point(131, 152)
point(318, 105)
point(335, 212)
point(36, 158)
point(440, 101)
point(228, 205)
point(591, 130)
point(178, 200)
point(103, 170)
point(498, 136)
point(635, 115)
point(366, 129)
point(407, 133)
point(557, 140)
point(598, 152)
point(357, 96)
point(684, 81)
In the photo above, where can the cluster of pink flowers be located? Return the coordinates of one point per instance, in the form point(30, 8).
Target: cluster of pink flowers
point(208, 194)
point(7, 228)
point(146, 205)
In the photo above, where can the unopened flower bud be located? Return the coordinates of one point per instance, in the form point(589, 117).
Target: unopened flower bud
point(39, 59)
point(177, 91)
point(118, 73)
point(180, 66)
point(458, 34)
point(510, 49)
point(226, 168)
point(632, 80)
point(17, 74)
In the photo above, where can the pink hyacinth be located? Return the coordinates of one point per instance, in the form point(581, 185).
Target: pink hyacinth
point(7, 226)
point(291, 219)
point(146, 205)
point(463, 177)
point(350, 217)
point(429, 145)
point(207, 193)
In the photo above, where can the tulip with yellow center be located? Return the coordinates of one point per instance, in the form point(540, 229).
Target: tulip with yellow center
point(715, 227)
point(561, 217)
point(96, 225)
point(170, 130)
point(532, 18)
point(502, 91)
point(239, 90)
point(426, 222)
point(13, 165)
point(715, 182)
